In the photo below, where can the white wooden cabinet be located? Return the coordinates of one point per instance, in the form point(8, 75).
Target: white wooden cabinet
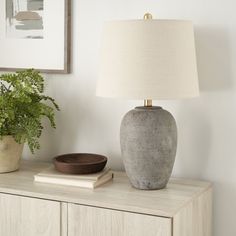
point(114, 209)
point(90, 221)
point(23, 216)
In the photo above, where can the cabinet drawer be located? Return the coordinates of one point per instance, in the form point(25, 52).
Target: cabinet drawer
point(23, 216)
point(92, 221)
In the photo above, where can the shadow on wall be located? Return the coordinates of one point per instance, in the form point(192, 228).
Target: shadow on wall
point(194, 139)
point(195, 116)
point(207, 126)
point(214, 59)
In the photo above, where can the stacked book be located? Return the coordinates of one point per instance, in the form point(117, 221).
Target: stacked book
point(52, 176)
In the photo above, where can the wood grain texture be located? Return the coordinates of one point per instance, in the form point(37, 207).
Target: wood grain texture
point(195, 218)
point(91, 221)
point(119, 194)
point(64, 219)
point(21, 216)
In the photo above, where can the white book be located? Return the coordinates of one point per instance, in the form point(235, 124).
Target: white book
point(52, 172)
point(51, 176)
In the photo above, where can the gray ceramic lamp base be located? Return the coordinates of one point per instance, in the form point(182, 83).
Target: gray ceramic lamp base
point(148, 137)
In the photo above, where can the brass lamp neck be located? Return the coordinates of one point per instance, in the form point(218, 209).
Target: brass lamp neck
point(148, 103)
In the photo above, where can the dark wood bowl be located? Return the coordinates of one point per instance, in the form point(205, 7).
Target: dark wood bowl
point(80, 163)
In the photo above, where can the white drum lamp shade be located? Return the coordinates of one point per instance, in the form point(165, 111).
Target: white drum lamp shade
point(148, 59)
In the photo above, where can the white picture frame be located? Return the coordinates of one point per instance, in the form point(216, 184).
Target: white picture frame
point(35, 34)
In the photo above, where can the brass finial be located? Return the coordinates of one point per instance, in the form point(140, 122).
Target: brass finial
point(147, 16)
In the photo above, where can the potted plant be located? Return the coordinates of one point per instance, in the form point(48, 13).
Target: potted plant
point(22, 107)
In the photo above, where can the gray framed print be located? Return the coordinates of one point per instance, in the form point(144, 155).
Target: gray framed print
point(35, 34)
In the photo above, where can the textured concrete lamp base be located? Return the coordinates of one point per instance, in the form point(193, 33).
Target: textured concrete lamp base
point(148, 137)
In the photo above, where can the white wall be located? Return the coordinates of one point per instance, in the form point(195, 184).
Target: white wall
point(207, 125)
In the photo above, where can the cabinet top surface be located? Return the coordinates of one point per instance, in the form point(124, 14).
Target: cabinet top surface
point(117, 194)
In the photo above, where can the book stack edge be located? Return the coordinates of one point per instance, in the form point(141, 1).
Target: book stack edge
point(52, 176)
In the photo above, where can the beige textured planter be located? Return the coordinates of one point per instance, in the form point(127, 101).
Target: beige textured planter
point(10, 154)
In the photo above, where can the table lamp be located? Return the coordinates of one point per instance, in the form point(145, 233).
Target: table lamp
point(148, 59)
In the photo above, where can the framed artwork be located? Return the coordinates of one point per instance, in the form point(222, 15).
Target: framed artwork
point(35, 34)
